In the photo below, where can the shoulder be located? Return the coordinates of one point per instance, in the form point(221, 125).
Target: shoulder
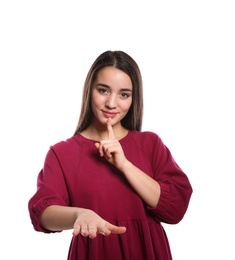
point(69, 145)
point(146, 136)
point(146, 145)
point(146, 140)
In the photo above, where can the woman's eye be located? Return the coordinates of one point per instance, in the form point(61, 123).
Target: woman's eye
point(102, 90)
point(125, 95)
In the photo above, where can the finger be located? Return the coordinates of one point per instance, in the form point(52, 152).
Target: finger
point(92, 232)
point(99, 147)
point(110, 129)
point(76, 231)
point(115, 229)
point(84, 232)
point(104, 232)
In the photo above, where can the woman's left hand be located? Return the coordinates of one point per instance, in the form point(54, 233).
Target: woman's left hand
point(111, 149)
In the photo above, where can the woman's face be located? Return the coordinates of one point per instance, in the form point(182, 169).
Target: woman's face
point(111, 95)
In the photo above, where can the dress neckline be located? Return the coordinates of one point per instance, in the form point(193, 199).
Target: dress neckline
point(95, 141)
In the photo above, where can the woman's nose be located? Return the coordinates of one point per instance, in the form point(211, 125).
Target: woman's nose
point(111, 101)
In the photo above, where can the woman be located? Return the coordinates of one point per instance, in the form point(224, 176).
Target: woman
point(111, 183)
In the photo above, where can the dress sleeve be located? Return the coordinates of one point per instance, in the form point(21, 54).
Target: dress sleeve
point(51, 190)
point(176, 189)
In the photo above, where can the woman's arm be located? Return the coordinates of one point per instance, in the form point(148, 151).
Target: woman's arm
point(84, 221)
point(145, 186)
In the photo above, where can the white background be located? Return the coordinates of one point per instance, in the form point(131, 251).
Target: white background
point(185, 50)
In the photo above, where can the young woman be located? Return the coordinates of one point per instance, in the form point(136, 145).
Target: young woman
point(111, 183)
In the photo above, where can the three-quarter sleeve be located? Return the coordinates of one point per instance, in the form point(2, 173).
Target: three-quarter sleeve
point(51, 190)
point(176, 189)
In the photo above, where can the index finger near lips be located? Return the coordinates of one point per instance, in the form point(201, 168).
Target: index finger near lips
point(110, 129)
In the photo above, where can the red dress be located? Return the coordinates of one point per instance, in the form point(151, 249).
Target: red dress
point(75, 175)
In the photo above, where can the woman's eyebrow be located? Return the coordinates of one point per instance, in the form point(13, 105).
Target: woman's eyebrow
point(103, 85)
point(107, 86)
point(126, 89)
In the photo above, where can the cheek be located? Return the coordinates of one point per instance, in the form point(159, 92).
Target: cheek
point(96, 100)
point(126, 105)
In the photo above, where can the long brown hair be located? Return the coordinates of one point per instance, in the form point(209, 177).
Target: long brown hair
point(121, 61)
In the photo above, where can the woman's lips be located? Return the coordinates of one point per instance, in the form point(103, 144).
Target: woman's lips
point(109, 114)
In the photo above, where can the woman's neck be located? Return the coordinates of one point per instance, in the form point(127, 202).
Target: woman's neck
point(94, 133)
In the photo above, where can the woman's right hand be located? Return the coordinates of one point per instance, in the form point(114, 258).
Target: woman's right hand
point(88, 223)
